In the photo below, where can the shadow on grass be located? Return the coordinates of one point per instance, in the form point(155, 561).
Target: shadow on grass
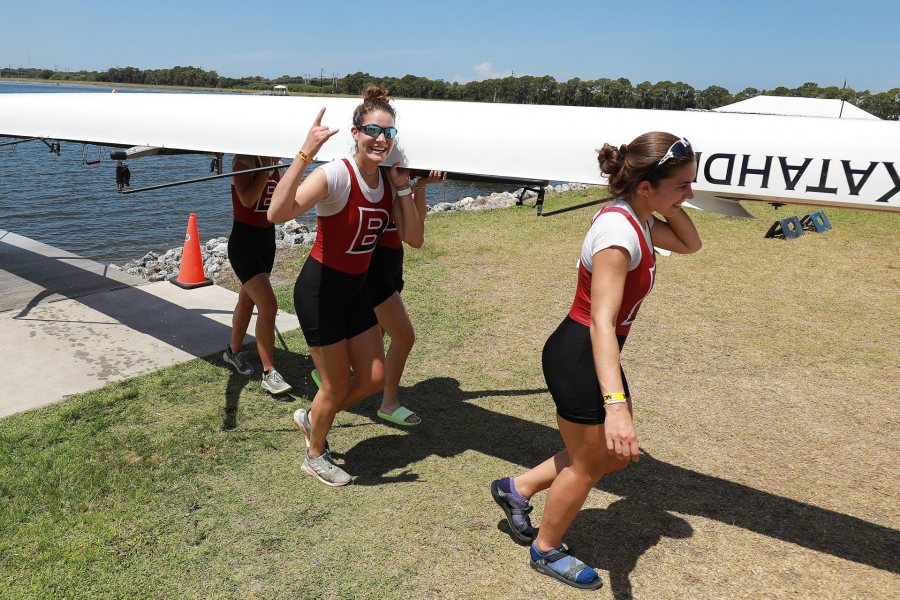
point(650, 490)
point(293, 366)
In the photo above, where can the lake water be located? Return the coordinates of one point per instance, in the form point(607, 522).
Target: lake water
point(63, 202)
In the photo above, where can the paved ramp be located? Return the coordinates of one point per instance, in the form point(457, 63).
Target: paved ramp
point(69, 325)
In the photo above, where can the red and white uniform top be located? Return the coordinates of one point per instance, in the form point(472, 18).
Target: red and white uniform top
point(255, 215)
point(351, 217)
point(391, 237)
point(617, 225)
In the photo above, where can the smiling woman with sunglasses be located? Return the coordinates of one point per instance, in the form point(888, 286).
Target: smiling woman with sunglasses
point(355, 200)
point(581, 359)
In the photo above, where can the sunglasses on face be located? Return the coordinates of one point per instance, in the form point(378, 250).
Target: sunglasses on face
point(676, 150)
point(375, 130)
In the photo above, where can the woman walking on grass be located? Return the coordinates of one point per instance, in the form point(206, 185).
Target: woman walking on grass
point(581, 359)
point(355, 199)
point(384, 284)
point(251, 252)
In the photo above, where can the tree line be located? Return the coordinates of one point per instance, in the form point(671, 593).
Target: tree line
point(613, 93)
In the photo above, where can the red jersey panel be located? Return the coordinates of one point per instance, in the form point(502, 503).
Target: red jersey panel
point(346, 239)
point(391, 237)
point(638, 283)
point(256, 214)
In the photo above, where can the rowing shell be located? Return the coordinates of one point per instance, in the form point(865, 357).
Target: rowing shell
point(786, 159)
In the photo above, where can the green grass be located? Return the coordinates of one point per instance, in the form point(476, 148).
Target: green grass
point(765, 375)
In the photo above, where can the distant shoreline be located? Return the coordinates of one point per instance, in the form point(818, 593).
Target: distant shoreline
point(157, 87)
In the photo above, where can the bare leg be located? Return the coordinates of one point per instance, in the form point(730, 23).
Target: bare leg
point(394, 320)
point(542, 476)
point(589, 461)
point(365, 355)
point(258, 291)
point(240, 319)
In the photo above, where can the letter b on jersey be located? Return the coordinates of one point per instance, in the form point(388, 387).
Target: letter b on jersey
point(372, 221)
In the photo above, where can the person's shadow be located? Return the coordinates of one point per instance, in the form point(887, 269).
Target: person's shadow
point(613, 539)
point(295, 368)
point(650, 490)
point(450, 427)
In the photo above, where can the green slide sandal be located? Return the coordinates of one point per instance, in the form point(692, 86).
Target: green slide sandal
point(398, 417)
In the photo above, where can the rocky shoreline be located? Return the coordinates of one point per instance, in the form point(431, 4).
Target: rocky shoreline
point(160, 267)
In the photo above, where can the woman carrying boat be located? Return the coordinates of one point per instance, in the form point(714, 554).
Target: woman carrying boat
point(384, 283)
point(581, 359)
point(251, 252)
point(355, 199)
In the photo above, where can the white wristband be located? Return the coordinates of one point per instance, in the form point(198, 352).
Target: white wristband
point(404, 191)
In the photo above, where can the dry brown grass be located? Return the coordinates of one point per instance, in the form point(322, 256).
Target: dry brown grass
point(766, 380)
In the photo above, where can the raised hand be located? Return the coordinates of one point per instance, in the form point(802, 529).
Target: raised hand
point(317, 136)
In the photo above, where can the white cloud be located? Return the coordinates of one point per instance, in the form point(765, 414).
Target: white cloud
point(486, 70)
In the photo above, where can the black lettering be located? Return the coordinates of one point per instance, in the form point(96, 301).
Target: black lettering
point(745, 170)
point(707, 170)
point(791, 182)
point(697, 156)
point(823, 177)
point(855, 187)
point(893, 173)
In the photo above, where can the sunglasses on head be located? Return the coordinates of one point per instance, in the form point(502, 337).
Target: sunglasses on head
point(375, 130)
point(676, 150)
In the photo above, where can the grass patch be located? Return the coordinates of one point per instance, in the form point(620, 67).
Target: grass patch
point(765, 375)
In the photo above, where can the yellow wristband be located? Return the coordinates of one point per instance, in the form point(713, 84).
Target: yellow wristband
point(304, 156)
point(615, 398)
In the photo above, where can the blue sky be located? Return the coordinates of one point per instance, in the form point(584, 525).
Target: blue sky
point(759, 44)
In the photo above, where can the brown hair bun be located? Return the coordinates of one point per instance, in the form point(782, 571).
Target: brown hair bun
point(611, 159)
point(374, 98)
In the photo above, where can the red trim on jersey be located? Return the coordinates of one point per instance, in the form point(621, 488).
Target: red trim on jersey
point(638, 282)
point(255, 216)
point(346, 239)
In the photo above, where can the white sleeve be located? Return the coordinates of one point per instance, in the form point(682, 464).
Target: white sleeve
point(338, 179)
point(611, 229)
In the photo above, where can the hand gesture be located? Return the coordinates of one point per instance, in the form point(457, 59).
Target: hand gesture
point(399, 176)
point(317, 136)
point(621, 438)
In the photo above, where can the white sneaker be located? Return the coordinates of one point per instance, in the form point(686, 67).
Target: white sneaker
point(324, 469)
point(274, 383)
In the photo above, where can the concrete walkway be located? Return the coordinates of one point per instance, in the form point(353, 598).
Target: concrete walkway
point(69, 325)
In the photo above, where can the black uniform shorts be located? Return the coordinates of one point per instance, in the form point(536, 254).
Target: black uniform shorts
point(251, 250)
point(385, 274)
point(568, 362)
point(331, 305)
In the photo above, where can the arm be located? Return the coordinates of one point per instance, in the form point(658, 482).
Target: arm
point(291, 199)
point(677, 233)
point(250, 186)
point(610, 268)
point(410, 224)
point(419, 190)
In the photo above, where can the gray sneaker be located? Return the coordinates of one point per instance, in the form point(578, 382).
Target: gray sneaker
point(237, 360)
point(301, 422)
point(274, 383)
point(324, 469)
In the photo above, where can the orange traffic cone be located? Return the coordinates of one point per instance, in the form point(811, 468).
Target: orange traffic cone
point(190, 272)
